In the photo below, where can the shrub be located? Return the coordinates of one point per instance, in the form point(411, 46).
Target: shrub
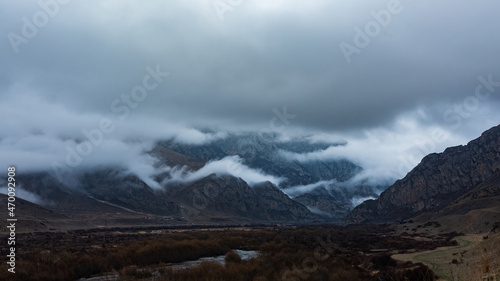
point(232, 257)
point(383, 261)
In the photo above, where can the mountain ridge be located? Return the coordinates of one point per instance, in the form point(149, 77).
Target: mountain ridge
point(435, 182)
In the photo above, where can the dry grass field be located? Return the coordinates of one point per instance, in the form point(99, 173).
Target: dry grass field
point(474, 258)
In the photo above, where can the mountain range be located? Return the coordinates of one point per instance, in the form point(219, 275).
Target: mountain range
point(111, 196)
point(458, 187)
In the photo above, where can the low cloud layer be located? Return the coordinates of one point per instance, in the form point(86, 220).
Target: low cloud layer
point(389, 153)
point(140, 72)
point(48, 137)
point(231, 165)
point(358, 200)
point(295, 191)
point(235, 69)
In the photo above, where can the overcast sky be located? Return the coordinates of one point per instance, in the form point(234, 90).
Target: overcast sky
point(395, 79)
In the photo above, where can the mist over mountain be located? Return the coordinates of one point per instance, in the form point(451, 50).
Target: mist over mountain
point(238, 175)
point(169, 94)
point(329, 180)
point(138, 138)
point(436, 182)
point(264, 153)
point(231, 175)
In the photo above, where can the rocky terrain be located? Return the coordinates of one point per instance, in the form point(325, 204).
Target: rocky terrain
point(437, 182)
point(220, 198)
point(459, 181)
point(113, 196)
point(475, 212)
point(109, 198)
point(265, 152)
point(325, 206)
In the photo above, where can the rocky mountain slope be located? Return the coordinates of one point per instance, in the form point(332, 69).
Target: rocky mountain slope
point(222, 197)
point(436, 182)
point(265, 153)
point(111, 196)
point(477, 211)
point(325, 206)
point(35, 217)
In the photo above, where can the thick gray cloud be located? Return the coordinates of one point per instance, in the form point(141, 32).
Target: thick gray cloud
point(230, 69)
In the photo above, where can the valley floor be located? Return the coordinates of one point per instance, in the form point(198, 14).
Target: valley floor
point(474, 258)
point(317, 252)
point(439, 259)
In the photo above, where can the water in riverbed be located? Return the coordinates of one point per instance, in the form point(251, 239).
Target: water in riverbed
point(245, 255)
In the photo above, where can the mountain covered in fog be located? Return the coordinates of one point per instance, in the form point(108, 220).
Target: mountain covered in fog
point(266, 152)
point(326, 184)
point(439, 182)
point(109, 197)
point(237, 178)
point(248, 178)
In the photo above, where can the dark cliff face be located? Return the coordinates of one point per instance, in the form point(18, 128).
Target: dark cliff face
point(436, 181)
point(232, 196)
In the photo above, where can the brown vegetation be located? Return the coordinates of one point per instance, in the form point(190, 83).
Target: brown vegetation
point(302, 253)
